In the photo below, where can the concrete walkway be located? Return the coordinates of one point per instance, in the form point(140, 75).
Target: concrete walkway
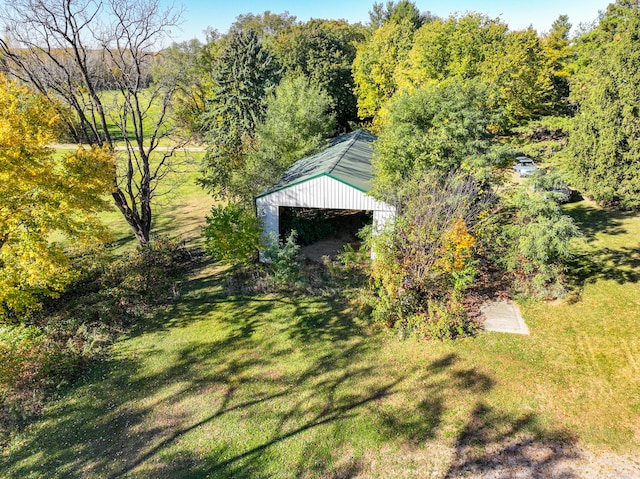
point(503, 317)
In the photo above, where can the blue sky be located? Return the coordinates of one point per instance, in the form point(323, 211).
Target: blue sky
point(200, 14)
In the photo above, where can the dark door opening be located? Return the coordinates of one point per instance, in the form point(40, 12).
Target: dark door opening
point(322, 232)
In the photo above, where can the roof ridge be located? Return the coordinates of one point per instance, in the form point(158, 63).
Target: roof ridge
point(347, 147)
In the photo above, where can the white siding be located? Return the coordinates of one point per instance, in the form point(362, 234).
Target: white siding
point(381, 218)
point(323, 192)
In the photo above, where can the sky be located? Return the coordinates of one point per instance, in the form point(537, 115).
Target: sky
point(518, 14)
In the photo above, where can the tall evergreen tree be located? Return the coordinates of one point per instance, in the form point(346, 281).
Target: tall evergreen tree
point(245, 72)
point(604, 145)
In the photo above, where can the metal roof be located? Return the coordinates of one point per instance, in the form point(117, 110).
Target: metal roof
point(346, 159)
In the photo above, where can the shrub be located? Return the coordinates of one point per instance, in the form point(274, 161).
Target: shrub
point(31, 362)
point(232, 234)
point(443, 319)
point(281, 258)
point(147, 274)
point(51, 347)
point(535, 243)
point(550, 184)
point(21, 348)
point(429, 256)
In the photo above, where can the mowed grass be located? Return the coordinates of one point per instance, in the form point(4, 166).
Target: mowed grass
point(300, 386)
point(179, 206)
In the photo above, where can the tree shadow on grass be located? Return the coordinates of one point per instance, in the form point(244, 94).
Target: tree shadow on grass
point(106, 426)
point(282, 386)
point(495, 444)
point(593, 221)
point(620, 264)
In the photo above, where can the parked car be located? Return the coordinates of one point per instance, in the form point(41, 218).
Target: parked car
point(560, 195)
point(525, 166)
point(551, 185)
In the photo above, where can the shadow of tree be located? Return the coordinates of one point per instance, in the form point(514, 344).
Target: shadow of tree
point(620, 265)
point(602, 263)
point(494, 444)
point(593, 221)
point(287, 381)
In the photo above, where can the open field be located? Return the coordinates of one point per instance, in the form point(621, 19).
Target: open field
point(281, 386)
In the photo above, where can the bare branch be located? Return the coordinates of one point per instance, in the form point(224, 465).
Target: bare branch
point(98, 57)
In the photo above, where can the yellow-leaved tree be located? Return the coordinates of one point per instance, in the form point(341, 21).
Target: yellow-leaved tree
point(48, 204)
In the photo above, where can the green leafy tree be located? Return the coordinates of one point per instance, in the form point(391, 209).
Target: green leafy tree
point(244, 74)
point(456, 46)
point(375, 64)
point(394, 12)
point(560, 54)
point(443, 127)
point(604, 144)
point(297, 123)
point(266, 23)
point(298, 120)
point(196, 63)
point(476, 46)
point(522, 75)
point(323, 51)
point(40, 196)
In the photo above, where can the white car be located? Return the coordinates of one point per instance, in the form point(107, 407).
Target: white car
point(525, 166)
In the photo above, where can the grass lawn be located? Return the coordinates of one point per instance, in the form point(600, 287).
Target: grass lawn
point(281, 386)
point(179, 206)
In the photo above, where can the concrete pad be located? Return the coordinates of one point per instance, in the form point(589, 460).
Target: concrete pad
point(503, 317)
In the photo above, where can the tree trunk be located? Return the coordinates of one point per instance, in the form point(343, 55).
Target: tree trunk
point(141, 227)
point(68, 51)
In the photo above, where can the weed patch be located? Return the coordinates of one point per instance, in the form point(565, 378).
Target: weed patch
point(49, 350)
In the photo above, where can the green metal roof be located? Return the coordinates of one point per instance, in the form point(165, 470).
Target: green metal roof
point(346, 159)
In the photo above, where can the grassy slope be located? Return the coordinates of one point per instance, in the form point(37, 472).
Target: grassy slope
point(299, 387)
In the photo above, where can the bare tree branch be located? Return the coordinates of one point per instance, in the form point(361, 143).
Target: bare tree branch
point(98, 57)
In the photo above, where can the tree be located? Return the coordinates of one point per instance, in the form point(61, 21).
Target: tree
point(40, 196)
point(74, 51)
point(195, 62)
point(396, 12)
point(476, 46)
point(559, 53)
point(604, 143)
point(323, 51)
point(297, 122)
point(264, 24)
point(245, 72)
point(456, 46)
point(522, 75)
point(442, 127)
point(375, 64)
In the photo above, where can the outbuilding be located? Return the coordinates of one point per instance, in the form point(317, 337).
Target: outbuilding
point(337, 178)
